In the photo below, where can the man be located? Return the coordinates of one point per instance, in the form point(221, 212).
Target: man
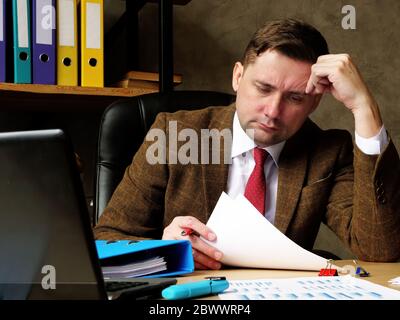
point(294, 173)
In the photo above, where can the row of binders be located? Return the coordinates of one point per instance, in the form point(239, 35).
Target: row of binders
point(39, 42)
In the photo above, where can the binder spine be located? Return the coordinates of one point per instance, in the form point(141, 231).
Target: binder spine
point(67, 43)
point(22, 40)
point(92, 39)
point(3, 40)
point(44, 39)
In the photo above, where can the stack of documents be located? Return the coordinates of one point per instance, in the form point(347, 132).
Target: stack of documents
point(136, 269)
point(308, 288)
point(249, 240)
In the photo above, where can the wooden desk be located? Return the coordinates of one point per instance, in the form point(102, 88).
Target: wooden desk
point(380, 273)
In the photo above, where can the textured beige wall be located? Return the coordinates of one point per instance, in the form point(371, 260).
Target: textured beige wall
point(210, 35)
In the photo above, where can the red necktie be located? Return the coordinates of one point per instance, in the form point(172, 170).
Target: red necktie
point(255, 187)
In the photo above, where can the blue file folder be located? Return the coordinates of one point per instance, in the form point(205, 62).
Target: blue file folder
point(177, 253)
point(22, 41)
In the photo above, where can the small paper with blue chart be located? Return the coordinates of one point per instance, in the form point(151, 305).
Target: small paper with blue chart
point(150, 258)
point(308, 288)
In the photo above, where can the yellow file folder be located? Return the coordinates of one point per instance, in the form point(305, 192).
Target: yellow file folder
point(67, 43)
point(92, 43)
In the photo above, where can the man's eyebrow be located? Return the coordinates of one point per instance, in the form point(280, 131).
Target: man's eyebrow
point(265, 84)
point(270, 86)
point(302, 93)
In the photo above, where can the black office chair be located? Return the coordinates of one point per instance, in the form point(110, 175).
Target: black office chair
point(124, 125)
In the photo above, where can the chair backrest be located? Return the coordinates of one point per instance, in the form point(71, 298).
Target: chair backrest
point(123, 128)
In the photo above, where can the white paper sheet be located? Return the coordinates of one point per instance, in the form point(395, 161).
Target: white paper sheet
point(247, 239)
point(308, 288)
point(395, 281)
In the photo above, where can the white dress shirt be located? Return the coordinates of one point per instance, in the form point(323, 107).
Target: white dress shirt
point(243, 163)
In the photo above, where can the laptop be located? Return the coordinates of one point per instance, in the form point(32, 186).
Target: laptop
point(47, 249)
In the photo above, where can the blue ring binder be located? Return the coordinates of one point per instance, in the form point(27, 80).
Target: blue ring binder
point(177, 253)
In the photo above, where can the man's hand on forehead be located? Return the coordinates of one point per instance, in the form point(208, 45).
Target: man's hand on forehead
point(337, 74)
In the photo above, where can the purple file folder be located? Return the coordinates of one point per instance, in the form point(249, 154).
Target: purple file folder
point(44, 41)
point(2, 40)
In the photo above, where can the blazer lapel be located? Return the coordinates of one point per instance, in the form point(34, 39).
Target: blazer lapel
point(215, 176)
point(292, 171)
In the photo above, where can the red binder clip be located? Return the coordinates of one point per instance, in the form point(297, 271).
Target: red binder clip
point(328, 271)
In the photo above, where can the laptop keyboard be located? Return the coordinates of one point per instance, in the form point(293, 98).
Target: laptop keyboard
point(113, 286)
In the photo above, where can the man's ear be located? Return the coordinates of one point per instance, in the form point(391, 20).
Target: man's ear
point(237, 75)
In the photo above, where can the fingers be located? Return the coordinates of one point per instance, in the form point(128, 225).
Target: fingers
point(198, 266)
point(204, 261)
point(317, 85)
point(205, 256)
point(320, 78)
point(326, 71)
point(197, 226)
point(200, 245)
point(324, 81)
point(175, 228)
point(334, 57)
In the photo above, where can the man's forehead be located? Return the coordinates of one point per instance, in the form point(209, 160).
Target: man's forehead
point(275, 69)
point(288, 83)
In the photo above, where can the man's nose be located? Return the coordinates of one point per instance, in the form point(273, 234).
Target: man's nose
point(272, 107)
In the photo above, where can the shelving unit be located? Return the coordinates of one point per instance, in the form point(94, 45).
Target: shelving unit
point(78, 110)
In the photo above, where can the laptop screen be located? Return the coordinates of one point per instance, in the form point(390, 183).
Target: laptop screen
point(47, 249)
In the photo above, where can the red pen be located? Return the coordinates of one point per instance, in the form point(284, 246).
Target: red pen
point(188, 232)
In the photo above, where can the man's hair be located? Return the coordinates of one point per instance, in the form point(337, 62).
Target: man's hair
point(293, 38)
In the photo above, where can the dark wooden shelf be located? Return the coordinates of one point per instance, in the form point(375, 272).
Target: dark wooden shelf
point(36, 97)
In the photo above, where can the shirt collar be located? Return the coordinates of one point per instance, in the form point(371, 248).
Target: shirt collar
point(242, 143)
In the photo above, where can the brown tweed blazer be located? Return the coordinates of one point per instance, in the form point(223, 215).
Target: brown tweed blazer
point(321, 178)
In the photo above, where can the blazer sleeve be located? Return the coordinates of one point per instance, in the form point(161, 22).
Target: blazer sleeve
point(364, 204)
point(136, 209)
